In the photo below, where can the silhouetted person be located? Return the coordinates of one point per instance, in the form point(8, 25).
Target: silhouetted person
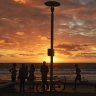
point(13, 72)
point(31, 77)
point(26, 68)
point(44, 72)
point(22, 77)
point(78, 75)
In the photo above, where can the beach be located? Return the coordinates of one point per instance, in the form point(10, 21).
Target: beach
point(47, 42)
point(88, 71)
point(68, 71)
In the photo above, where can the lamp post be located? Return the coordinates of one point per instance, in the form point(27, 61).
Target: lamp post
point(52, 4)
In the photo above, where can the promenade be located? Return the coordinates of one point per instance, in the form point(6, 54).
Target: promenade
point(83, 89)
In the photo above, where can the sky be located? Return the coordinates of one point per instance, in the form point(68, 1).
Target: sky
point(25, 31)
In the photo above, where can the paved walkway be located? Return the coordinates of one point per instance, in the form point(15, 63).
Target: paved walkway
point(81, 89)
point(68, 89)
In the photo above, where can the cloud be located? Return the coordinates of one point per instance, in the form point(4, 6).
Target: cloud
point(1, 55)
point(25, 54)
point(72, 47)
point(75, 17)
point(77, 50)
point(81, 2)
point(2, 42)
point(12, 9)
point(87, 54)
point(26, 24)
point(41, 54)
point(22, 17)
point(32, 54)
point(21, 1)
point(43, 38)
point(6, 42)
point(64, 52)
point(20, 33)
point(12, 55)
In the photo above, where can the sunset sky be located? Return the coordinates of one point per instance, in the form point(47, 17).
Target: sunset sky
point(25, 31)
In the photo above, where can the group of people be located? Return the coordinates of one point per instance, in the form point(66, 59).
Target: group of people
point(25, 74)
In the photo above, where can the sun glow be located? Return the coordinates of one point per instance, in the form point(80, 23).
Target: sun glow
point(55, 59)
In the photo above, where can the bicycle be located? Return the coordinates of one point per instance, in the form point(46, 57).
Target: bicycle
point(58, 85)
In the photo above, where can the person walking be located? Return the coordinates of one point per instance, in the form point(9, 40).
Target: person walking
point(44, 72)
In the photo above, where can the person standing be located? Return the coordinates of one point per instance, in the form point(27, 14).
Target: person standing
point(26, 68)
point(22, 77)
point(44, 72)
point(78, 75)
point(31, 77)
point(13, 72)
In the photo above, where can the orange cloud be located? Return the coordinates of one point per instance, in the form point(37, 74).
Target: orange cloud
point(20, 33)
point(2, 41)
point(21, 1)
point(25, 24)
point(43, 37)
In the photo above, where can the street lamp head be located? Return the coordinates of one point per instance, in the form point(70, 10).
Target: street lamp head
point(52, 3)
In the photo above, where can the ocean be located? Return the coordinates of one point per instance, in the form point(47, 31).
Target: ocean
point(88, 71)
